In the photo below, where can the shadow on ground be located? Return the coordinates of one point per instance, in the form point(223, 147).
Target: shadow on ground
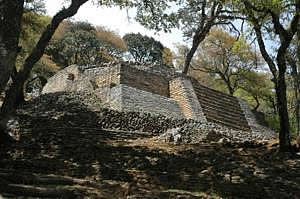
point(64, 150)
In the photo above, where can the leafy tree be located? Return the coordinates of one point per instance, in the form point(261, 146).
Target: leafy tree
point(81, 43)
point(11, 12)
point(33, 23)
point(167, 57)
point(180, 55)
point(194, 17)
point(144, 49)
point(78, 45)
point(227, 57)
point(258, 86)
point(114, 45)
point(272, 17)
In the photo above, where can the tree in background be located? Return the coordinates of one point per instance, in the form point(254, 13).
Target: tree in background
point(258, 86)
point(226, 57)
point(144, 49)
point(34, 22)
point(167, 57)
point(83, 44)
point(271, 17)
point(11, 12)
point(114, 46)
point(194, 17)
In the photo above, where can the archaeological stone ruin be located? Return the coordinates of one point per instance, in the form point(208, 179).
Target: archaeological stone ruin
point(155, 89)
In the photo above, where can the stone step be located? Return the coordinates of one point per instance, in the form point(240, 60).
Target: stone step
point(223, 112)
point(204, 89)
point(216, 99)
point(233, 121)
point(234, 110)
point(228, 117)
point(228, 125)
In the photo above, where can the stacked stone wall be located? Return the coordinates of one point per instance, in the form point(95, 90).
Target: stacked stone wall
point(251, 119)
point(106, 77)
point(61, 81)
point(145, 81)
point(182, 91)
point(84, 110)
point(125, 98)
point(153, 89)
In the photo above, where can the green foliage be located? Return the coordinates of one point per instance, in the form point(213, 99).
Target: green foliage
point(181, 52)
point(258, 89)
point(112, 42)
point(81, 43)
point(167, 57)
point(144, 49)
point(228, 58)
point(273, 121)
point(33, 23)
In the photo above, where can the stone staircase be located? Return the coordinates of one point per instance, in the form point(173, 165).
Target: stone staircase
point(220, 108)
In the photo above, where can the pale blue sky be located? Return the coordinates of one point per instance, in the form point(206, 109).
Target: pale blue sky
point(116, 20)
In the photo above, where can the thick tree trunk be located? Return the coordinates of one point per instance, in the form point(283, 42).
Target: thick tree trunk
point(230, 89)
point(11, 12)
point(285, 36)
point(189, 56)
point(298, 80)
point(197, 39)
point(293, 65)
point(284, 133)
point(10, 101)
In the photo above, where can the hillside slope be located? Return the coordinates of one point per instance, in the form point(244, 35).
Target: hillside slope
point(62, 153)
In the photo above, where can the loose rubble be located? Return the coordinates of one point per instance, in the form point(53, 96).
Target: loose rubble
point(87, 107)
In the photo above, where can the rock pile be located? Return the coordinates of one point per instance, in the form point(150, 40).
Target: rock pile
point(85, 109)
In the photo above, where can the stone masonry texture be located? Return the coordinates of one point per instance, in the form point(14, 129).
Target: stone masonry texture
point(154, 89)
point(182, 91)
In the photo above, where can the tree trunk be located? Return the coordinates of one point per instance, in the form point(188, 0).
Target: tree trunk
point(197, 39)
point(10, 101)
point(11, 12)
point(293, 65)
point(230, 89)
point(284, 132)
point(189, 57)
point(298, 81)
point(257, 103)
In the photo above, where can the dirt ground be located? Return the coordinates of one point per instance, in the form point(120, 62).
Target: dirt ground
point(71, 157)
point(70, 162)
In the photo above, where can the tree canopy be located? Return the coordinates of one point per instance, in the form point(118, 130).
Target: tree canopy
point(83, 44)
point(228, 57)
point(144, 49)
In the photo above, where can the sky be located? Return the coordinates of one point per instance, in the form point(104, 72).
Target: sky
point(116, 20)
